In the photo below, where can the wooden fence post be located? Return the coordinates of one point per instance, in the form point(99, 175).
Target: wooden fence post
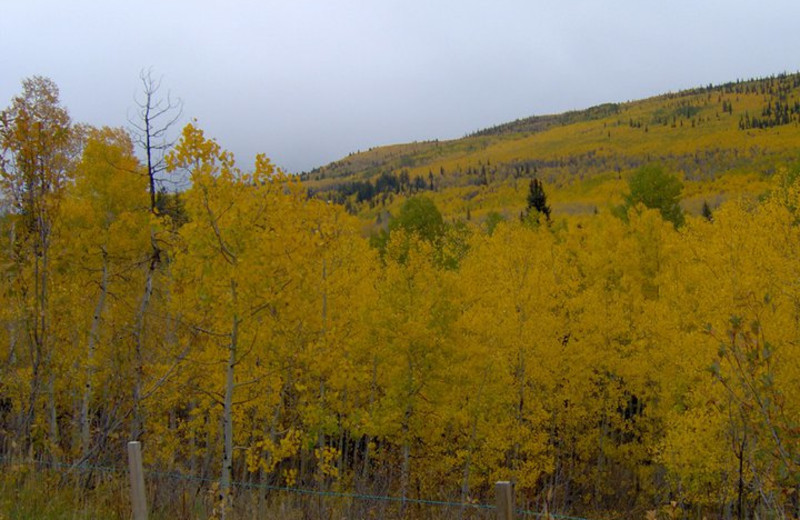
point(504, 496)
point(138, 499)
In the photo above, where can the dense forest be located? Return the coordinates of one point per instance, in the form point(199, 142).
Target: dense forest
point(634, 361)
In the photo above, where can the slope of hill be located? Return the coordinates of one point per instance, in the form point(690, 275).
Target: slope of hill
point(722, 140)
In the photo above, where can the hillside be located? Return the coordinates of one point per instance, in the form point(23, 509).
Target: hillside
point(723, 140)
point(274, 363)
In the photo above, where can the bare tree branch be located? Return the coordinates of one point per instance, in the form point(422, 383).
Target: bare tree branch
point(153, 121)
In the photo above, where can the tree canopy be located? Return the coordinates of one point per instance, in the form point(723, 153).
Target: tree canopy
point(651, 186)
point(607, 367)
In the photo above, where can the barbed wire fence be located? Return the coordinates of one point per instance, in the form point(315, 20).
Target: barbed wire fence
point(190, 497)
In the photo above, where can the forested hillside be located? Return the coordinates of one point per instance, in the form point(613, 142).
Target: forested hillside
point(640, 361)
point(722, 141)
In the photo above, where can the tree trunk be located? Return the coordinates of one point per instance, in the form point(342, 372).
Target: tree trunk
point(137, 425)
point(52, 415)
point(13, 324)
point(405, 470)
point(85, 422)
point(740, 491)
point(227, 417)
point(37, 325)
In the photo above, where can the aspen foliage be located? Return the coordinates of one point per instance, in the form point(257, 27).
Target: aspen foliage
point(606, 365)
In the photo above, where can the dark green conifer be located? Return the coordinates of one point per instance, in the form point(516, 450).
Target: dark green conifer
point(537, 199)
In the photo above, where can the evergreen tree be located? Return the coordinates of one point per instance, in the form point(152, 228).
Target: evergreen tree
point(537, 199)
point(706, 212)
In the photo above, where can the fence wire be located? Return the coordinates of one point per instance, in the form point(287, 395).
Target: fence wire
point(83, 467)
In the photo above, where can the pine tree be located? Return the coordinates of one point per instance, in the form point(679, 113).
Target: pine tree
point(706, 212)
point(537, 199)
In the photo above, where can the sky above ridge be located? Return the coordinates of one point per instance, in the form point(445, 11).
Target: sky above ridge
point(309, 81)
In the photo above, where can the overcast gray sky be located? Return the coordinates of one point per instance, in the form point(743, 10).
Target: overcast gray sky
point(308, 81)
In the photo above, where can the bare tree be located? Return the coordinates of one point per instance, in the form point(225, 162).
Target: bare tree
point(155, 116)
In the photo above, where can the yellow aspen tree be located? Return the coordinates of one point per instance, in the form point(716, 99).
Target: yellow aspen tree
point(214, 251)
point(332, 295)
point(315, 337)
point(236, 274)
point(38, 146)
point(104, 235)
point(617, 318)
point(516, 285)
point(413, 352)
point(744, 293)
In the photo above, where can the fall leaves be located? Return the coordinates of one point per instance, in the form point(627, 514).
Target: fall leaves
point(606, 365)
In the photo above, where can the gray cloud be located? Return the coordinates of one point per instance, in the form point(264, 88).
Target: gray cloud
point(307, 82)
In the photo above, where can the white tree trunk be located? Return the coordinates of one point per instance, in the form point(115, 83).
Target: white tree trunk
point(227, 417)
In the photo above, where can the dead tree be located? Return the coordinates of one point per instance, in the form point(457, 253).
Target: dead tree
point(155, 117)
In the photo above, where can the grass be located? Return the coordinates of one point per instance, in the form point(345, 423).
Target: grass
point(29, 492)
